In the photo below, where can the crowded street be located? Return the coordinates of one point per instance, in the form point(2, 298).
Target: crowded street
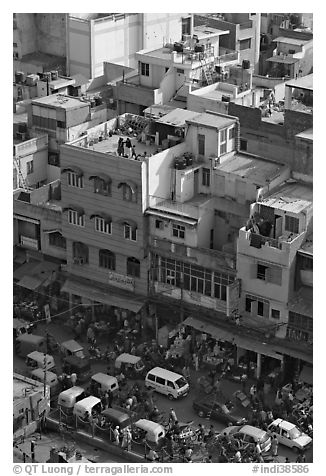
point(183, 408)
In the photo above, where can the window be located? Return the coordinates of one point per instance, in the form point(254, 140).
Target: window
point(180, 71)
point(107, 259)
point(245, 44)
point(261, 272)
point(133, 267)
point(103, 226)
point(201, 144)
point(170, 384)
point(75, 218)
point(186, 26)
point(160, 380)
point(243, 144)
point(232, 133)
point(206, 177)
point(256, 305)
point(15, 45)
point(151, 377)
point(101, 186)
point(80, 252)
point(249, 301)
point(159, 224)
point(223, 137)
point(61, 124)
point(30, 167)
point(291, 224)
point(56, 239)
point(75, 180)
point(167, 69)
point(44, 122)
point(130, 232)
point(170, 277)
point(126, 192)
point(275, 313)
point(144, 69)
point(178, 231)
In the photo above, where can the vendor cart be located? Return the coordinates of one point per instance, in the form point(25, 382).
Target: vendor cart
point(205, 385)
point(242, 398)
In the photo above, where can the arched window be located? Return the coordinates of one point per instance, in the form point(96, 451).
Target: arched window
point(133, 267)
point(74, 176)
point(106, 259)
point(79, 252)
point(129, 191)
point(102, 184)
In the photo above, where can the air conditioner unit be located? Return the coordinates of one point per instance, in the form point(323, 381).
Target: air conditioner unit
point(172, 247)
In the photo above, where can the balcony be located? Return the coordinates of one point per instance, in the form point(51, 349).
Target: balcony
point(31, 146)
point(132, 91)
point(227, 56)
point(269, 249)
point(177, 208)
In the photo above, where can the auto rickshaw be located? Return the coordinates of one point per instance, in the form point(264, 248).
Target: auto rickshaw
point(21, 327)
point(149, 431)
point(114, 417)
point(131, 366)
point(27, 343)
point(81, 367)
point(51, 379)
point(38, 360)
point(101, 383)
point(72, 347)
point(68, 398)
point(88, 406)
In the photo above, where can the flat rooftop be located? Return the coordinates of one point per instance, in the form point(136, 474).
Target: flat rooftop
point(20, 386)
point(203, 32)
point(44, 60)
point(306, 82)
point(292, 197)
point(291, 41)
point(259, 171)
point(283, 59)
point(110, 146)
point(211, 120)
point(158, 110)
point(61, 101)
point(178, 117)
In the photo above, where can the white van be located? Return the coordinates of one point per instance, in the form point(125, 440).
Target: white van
point(169, 383)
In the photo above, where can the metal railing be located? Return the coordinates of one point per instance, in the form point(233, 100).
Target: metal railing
point(173, 206)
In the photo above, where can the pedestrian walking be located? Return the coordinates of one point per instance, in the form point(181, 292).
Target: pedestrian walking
point(73, 379)
point(258, 453)
point(195, 361)
point(274, 446)
point(133, 152)
point(128, 146)
point(172, 417)
point(301, 458)
point(188, 454)
point(120, 148)
point(253, 393)
point(116, 436)
point(90, 335)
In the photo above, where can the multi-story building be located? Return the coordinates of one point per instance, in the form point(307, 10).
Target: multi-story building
point(293, 55)
point(286, 135)
point(29, 405)
point(166, 73)
point(39, 42)
point(90, 37)
point(267, 255)
point(63, 118)
point(243, 33)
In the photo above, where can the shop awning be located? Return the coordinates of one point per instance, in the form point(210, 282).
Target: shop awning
point(222, 334)
point(306, 375)
point(25, 269)
point(214, 331)
point(98, 295)
point(29, 282)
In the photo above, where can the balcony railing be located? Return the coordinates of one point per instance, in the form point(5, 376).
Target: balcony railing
point(226, 56)
point(173, 207)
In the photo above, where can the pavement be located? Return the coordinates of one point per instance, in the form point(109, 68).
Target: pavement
point(183, 408)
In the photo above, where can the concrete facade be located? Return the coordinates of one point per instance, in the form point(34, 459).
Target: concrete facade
point(90, 39)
